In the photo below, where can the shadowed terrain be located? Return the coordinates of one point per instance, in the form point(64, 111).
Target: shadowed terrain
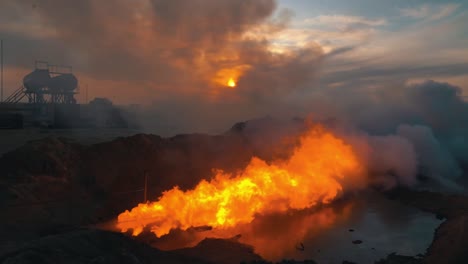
point(53, 188)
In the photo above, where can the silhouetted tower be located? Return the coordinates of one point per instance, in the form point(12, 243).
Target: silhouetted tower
point(54, 84)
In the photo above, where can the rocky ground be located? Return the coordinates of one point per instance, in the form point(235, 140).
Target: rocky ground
point(53, 190)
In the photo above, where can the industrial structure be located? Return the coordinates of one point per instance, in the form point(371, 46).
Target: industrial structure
point(46, 98)
point(47, 84)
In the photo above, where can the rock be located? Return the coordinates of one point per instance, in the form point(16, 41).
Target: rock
point(221, 251)
point(450, 242)
point(393, 258)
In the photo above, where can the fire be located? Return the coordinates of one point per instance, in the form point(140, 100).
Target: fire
point(231, 83)
point(228, 77)
point(311, 176)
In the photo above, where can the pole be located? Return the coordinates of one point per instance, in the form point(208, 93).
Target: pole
point(146, 188)
point(1, 69)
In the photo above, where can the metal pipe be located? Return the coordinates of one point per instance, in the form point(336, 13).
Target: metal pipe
point(145, 199)
point(1, 69)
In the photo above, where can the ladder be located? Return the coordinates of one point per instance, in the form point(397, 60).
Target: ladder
point(16, 96)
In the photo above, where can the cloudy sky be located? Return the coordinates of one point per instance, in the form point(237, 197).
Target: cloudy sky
point(370, 41)
point(178, 56)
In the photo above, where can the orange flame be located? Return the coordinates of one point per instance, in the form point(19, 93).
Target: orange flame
point(228, 77)
point(231, 83)
point(311, 176)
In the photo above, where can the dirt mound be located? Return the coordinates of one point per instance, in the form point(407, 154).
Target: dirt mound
point(221, 251)
point(54, 184)
point(91, 246)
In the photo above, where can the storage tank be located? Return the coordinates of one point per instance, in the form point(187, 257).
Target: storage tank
point(37, 80)
point(64, 82)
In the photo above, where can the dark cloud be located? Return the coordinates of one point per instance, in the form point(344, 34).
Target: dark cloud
point(168, 42)
point(340, 51)
point(175, 54)
point(399, 72)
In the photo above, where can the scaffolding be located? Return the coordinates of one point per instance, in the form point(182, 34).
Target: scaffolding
point(47, 84)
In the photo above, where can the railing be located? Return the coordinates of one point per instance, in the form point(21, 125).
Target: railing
point(16, 96)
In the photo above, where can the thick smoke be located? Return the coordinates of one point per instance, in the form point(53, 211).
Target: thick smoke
point(424, 125)
point(176, 56)
point(434, 160)
point(407, 135)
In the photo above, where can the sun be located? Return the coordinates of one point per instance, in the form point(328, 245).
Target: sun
point(231, 83)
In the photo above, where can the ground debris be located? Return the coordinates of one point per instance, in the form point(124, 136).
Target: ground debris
point(393, 258)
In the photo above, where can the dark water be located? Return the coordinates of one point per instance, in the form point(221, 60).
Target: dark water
point(383, 227)
point(377, 226)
